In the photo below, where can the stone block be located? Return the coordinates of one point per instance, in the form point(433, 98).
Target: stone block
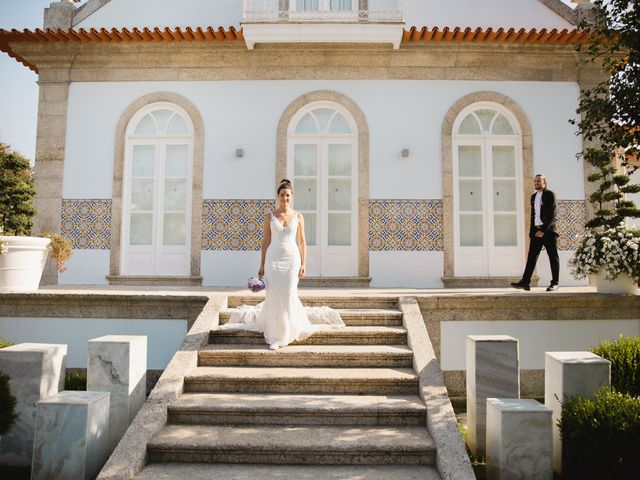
point(71, 436)
point(518, 440)
point(493, 370)
point(36, 371)
point(567, 374)
point(118, 364)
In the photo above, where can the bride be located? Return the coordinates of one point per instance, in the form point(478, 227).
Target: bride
point(281, 316)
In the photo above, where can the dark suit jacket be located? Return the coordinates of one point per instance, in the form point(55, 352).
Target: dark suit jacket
point(547, 213)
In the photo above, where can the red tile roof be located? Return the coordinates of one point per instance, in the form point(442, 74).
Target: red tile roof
point(231, 34)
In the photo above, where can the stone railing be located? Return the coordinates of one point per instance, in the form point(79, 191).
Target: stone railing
point(336, 11)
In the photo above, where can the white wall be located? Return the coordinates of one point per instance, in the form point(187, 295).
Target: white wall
point(406, 269)
point(86, 267)
point(485, 13)
point(400, 114)
point(226, 268)
point(440, 13)
point(163, 336)
point(165, 13)
point(535, 337)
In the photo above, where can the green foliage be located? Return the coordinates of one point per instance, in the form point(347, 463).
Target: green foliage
point(610, 111)
point(601, 436)
point(4, 343)
point(60, 249)
point(624, 355)
point(8, 415)
point(75, 380)
point(16, 191)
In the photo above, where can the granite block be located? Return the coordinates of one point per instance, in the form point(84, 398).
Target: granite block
point(567, 374)
point(36, 371)
point(71, 436)
point(493, 364)
point(118, 364)
point(518, 441)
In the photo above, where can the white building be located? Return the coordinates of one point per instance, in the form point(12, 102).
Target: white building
point(410, 129)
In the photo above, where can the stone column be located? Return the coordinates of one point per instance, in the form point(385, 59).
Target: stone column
point(49, 162)
point(118, 364)
point(71, 436)
point(36, 371)
point(59, 15)
point(567, 374)
point(493, 370)
point(518, 440)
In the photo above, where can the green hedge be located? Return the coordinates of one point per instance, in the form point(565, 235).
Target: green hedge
point(75, 381)
point(8, 414)
point(624, 355)
point(601, 436)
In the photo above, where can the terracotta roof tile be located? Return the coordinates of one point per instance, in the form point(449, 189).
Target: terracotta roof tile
point(199, 34)
point(490, 35)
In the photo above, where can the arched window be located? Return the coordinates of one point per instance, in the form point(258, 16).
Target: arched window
point(487, 191)
point(323, 164)
point(157, 193)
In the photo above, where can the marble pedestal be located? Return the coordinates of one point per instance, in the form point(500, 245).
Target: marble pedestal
point(567, 374)
point(71, 438)
point(518, 440)
point(36, 371)
point(118, 364)
point(493, 370)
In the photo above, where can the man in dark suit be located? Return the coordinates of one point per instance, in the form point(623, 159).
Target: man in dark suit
point(542, 232)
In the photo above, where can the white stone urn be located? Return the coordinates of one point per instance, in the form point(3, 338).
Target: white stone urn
point(622, 284)
point(21, 267)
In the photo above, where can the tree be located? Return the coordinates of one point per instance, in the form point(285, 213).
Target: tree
point(610, 111)
point(16, 192)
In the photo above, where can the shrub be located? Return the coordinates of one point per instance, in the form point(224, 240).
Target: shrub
point(16, 192)
point(8, 415)
point(4, 343)
point(75, 380)
point(624, 355)
point(601, 436)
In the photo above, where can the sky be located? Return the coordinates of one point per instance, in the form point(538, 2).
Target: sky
point(18, 87)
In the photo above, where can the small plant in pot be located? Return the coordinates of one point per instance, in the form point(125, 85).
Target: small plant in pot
point(22, 257)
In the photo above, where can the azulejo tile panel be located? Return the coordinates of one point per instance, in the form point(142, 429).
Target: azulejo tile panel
point(571, 217)
point(86, 224)
point(405, 225)
point(234, 225)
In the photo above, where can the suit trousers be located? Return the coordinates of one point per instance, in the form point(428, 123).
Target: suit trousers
point(549, 243)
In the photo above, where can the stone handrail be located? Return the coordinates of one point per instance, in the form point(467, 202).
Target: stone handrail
point(130, 456)
point(452, 460)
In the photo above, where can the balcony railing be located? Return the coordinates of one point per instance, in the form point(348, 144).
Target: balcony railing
point(318, 11)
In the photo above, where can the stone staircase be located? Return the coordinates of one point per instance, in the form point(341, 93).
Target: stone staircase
point(343, 404)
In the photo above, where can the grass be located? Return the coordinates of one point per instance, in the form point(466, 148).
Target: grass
point(478, 464)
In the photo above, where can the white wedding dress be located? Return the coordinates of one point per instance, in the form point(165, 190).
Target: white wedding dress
point(281, 316)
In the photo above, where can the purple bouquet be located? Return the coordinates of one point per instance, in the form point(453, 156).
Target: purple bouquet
point(255, 284)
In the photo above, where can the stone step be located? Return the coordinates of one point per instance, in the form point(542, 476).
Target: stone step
point(335, 336)
point(334, 301)
point(198, 471)
point(354, 381)
point(254, 355)
point(381, 317)
point(293, 445)
point(279, 409)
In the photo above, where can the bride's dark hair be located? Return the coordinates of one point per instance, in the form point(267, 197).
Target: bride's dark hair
point(285, 183)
